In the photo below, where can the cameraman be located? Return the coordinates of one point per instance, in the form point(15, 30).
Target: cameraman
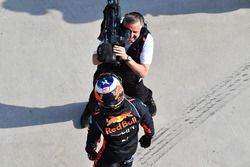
point(135, 59)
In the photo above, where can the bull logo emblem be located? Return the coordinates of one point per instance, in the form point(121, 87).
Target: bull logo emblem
point(118, 119)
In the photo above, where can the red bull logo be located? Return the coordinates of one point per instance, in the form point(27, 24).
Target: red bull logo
point(120, 126)
point(119, 118)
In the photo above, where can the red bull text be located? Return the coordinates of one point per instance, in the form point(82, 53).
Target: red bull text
point(120, 126)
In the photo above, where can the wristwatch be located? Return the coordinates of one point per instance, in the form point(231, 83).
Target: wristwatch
point(128, 59)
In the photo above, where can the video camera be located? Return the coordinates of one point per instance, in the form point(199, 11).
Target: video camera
point(112, 32)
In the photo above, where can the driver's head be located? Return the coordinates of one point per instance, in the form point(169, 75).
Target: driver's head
point(109, 91)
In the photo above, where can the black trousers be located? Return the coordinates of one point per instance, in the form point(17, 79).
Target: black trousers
point(138, 90)
point(103, 163)
point(105, 160)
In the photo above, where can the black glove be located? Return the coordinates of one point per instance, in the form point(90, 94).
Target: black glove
point(145, 141)
point(105, 53)
point(92, 155)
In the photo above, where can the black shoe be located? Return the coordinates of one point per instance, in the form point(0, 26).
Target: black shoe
point(152, 106)
point(84, 121)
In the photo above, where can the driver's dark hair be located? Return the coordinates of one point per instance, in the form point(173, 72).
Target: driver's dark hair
point(133, 17)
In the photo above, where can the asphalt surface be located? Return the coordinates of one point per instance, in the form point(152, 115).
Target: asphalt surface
point(200, 77)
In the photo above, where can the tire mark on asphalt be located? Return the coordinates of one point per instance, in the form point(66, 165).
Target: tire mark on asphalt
point(194, 115)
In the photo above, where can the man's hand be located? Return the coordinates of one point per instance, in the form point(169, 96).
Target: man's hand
point(92, 155)
point(121, 52)
point(145, 141)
